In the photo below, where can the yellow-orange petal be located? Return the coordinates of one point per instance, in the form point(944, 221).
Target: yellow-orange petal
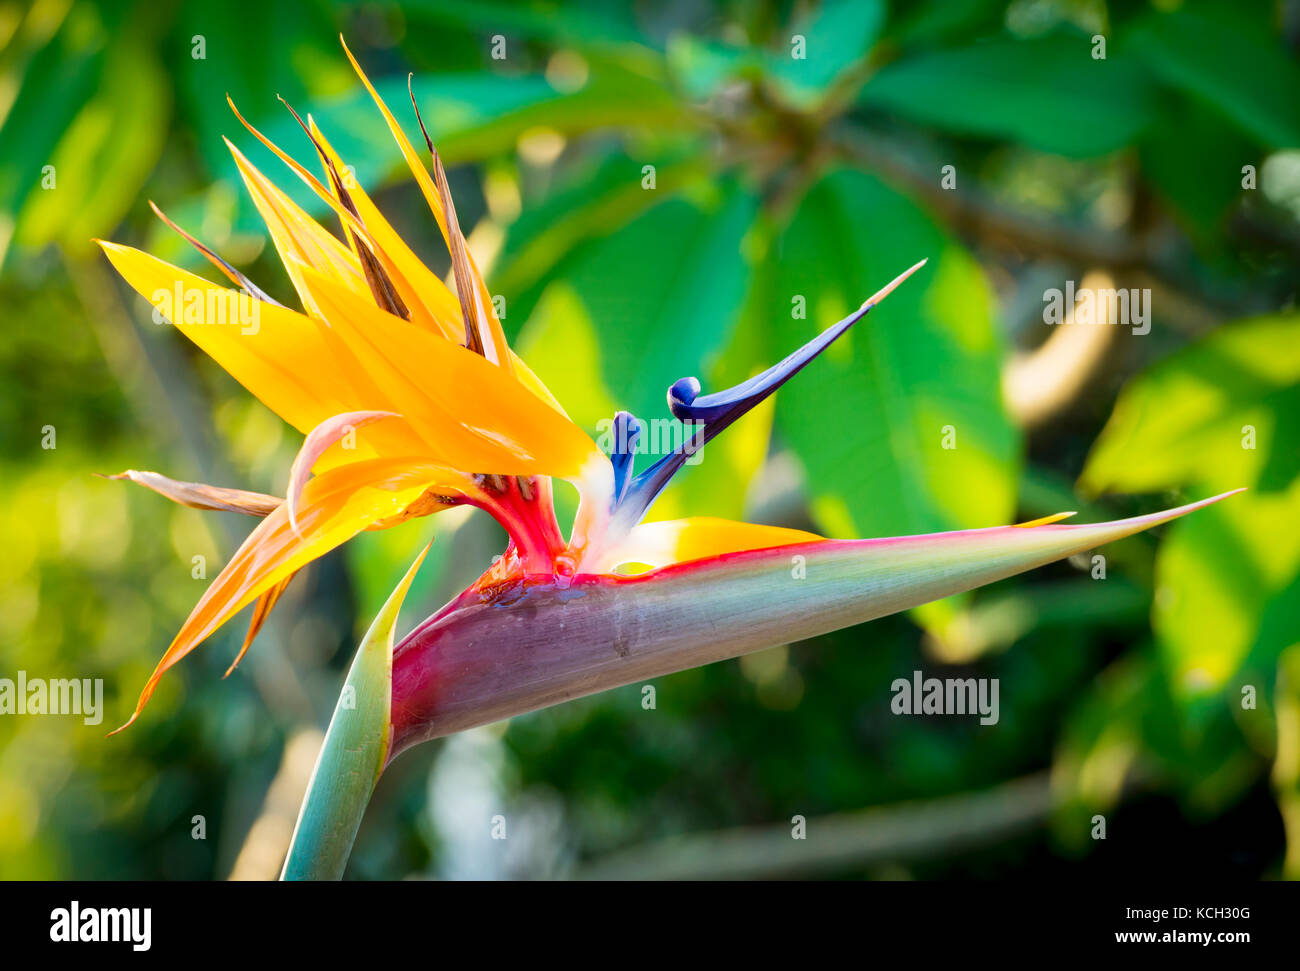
point(697, 538)
point(474, 415)
point(1046, 520)
point(319, 440)
point(440, 301)
point(290, 362)
point(296, 234)
point(261, 610)
point(482, 328)
point(278, 356)
point(336, 506)
point(442, 304)
point(423, 179)
point(403, 287)
point(421, 174)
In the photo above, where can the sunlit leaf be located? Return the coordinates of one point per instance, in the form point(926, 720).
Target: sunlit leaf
point(1217, 576)
point(592, 200)
point(664, 292)
point(78, 157)
point(900, 426)
point(1224, 412)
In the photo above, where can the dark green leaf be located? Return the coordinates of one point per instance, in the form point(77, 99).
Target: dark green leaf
point(1217, 56)
point(1048, 92)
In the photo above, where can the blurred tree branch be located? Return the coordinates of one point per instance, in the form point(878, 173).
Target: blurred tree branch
point(840, 842)
point(1144, 260)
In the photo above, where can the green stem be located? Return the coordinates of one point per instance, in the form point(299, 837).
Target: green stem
point(353, 755)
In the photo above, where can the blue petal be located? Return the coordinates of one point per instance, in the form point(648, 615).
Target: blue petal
point(626, 430)
point(707, 415)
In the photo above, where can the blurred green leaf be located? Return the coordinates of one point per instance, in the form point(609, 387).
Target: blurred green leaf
point(816, 50)
point(869, 419)
point(1286, 768)
point(50, 69)
point(700, 66)
point(1224, 410)
point(469, 117)
point(1047, 92)
point(1188, 419)
point(584, 206)
point(837, 35)
point(930, 22)
point(664, 292)
point(1216, 54)
point(562, 345)
point(1200, 194)
point(1216, 576)
point(582, 25)
point(1101, 743)
point(102, 161)
point(301, 61)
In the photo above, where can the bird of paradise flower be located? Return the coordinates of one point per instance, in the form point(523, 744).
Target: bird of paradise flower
point(411, 402)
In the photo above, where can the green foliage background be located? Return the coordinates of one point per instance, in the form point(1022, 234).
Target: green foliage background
point(776, 178)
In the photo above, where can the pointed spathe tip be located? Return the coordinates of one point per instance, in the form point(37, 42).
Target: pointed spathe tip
point(1211, 500)
point(1159, 518)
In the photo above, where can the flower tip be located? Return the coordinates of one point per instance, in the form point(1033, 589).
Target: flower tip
point(682, 394)
point(889, 287)
point(1221, 496)
point(348, 51)
point(1201, 503)
point(125, 725)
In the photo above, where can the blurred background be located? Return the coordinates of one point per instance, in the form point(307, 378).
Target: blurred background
point(652, 188)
